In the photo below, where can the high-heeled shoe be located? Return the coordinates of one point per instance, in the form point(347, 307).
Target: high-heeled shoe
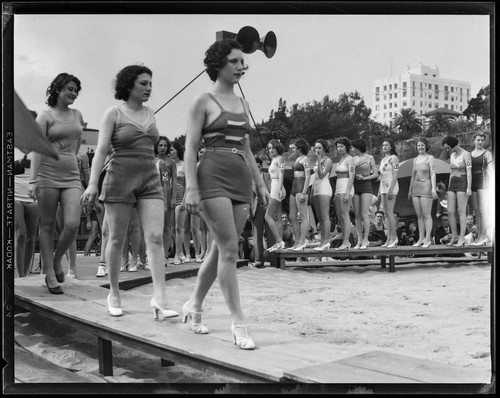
point(385, 244)
point(418, 243)
point(177, 261)
point(60, 277)
point(426, 244)
point(182, 258)
point(195, 317)
point(393, 244)
point(276, 246)
point(53, 290)
point(364, 244)
point(245, 342)
point(358, 245)
point(114, 311)
point(459, 243)
point(159, 313)
point(326, 246)
point(299, 247)
point(452, 241)
point(480, 242)
point(345, 246)
point(124, 268)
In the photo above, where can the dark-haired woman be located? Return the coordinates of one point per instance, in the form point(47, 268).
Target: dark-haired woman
point(422, 191)
point(168, 179)
point(459, 188)
point(299, 193)
point(221, 186)
point(277, 194)
point(53, 182)
point(131, 180)
point(364, 173)
point(322, 191)
point(389, 188)
point(344, 189)
point(482, 174)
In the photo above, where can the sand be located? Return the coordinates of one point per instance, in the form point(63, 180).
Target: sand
point(439, 312)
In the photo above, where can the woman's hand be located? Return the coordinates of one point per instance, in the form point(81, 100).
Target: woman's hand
point(33, 191)
point(433, 193)
point(347, 197)
point(468, 192)
point(409, 194)
point(390, 194)
point(359, 176)
point(192, 201)
point(264, 195)
point(89, 196)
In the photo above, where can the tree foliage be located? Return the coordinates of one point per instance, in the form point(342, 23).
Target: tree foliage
point(479, 106)
point(407, 124)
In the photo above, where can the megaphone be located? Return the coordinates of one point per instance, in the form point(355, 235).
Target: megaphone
point(249, 39)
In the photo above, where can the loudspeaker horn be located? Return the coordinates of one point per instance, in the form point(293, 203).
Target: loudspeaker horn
point(268, 44)
point(248, 37)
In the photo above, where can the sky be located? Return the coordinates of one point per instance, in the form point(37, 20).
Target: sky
point(317, 55)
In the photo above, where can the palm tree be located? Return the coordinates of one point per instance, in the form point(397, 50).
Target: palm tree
point(440, 123)
point(407, 124)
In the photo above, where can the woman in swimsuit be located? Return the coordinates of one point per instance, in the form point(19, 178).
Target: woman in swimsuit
point(459, 188)
point(131, 180)
point(53, 182)
point(298, 194)
point(221, 186)
point(278, 193)
point(322, 191)
point(363, 191)
point(482, 174)
point(168, 180)
point(422, 191)
point(389, 188)
point(344, 189)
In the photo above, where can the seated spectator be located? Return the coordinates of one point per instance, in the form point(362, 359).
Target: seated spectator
point(442, 235)
point(378, 231)
point(471, 223)
point(288, 237)
point(442, 193)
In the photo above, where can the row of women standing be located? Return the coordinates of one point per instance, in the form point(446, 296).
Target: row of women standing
point(355, 172)
point(220, 188)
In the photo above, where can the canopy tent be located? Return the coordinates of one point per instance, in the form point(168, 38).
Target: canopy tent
point(443, 111)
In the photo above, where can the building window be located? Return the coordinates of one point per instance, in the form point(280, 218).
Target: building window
point(414, 93)
point(436, 105)
point(421, 104)
point(445, 106)
point(377, 89)
point(390, 96)
point(404, 104)
point(413, 103)
point(395, 86)
point(377, 98)
point(390, 86)
point(452, 107)
point(395, 95)
point(451, 88)
point(404, 93)
point(430, 96)
point(385, 88)
point(390, 114)
point(436, 87)
point(404, 84)
point(446, 97)
point(376, 107)
point(390, 105)
point(385, 106)
point(430, 104)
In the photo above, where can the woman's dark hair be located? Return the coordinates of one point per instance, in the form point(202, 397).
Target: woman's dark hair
point(425, 142)
point(162, 138)
point(344, 141)
point(58, 84)
point(277, 145)
point(216, 56)
point(126, 78)
point(359, 144)
point(324, 144)
point(451, 141)
point(480, 134)
point(179, 148)
point(392, 145)
point(302, 146)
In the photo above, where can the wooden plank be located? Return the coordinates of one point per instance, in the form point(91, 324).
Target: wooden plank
point(422, 370)
point(336, 373)
point(105, 352)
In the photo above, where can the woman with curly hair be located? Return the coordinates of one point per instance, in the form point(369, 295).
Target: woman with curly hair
point(344, 189)
point(221, 186)
point(53, 182)
point(459, 188)
point(299, 194)
point(422, 191)
point(389, 188)
point(322, 191)
point(363, 191)
point(131, 180)
point(278, 193)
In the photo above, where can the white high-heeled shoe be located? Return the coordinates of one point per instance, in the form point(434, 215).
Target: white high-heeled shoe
point(245, 342)
point(326, 246)
point(276, 246)
point(195, 317)
point(114, 311)
point(159, 313)
point(393, 244)
point(299, 248)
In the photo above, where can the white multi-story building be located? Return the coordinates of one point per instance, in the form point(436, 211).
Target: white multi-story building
point(420, 89)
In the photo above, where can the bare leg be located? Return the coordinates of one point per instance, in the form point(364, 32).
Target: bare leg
point(426, 205)
point(452, 214)
point(462, 200)
point(366, 200)
point(270, 217)
point(323, 205)
point(420, 218)
point(293, 219)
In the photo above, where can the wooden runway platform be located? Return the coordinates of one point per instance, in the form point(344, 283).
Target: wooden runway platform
point(278, 358)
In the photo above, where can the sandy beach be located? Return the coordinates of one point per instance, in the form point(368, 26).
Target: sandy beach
point(439, 312)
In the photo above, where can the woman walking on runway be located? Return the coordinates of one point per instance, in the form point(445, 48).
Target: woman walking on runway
point(53, 182)
point(422, 191)
point(131, 180)
point(221, 186)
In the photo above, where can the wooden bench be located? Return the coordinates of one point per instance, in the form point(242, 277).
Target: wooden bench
point(278, 258)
